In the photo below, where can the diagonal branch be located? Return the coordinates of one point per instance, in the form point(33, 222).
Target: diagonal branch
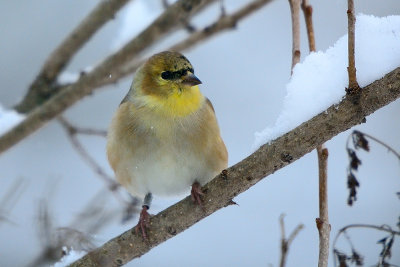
point(240, 177)
point(110, 70)
point(225, 22)
point(112, 185)
point(165, 23)
point(42, 87)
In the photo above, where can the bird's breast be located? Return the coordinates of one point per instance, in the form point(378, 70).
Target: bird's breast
point(179, 103)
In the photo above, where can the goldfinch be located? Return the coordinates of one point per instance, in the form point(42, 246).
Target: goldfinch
point(164, 136)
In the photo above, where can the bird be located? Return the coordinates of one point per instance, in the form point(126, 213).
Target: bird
point(164, 137)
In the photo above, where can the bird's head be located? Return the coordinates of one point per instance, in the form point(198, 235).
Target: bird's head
point(166, 74)
point(166, 84)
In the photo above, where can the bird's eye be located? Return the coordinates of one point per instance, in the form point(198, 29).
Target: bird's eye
point(167, 75)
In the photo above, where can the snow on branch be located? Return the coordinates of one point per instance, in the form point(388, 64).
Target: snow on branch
point(319, 81)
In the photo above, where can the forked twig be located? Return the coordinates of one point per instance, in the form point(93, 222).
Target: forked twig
point(286, 242)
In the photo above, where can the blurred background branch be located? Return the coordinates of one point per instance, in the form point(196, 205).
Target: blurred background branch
point(286, 242)
point(355, 257)
point(110, 67)
point(43, 87)
point(57, 241)
point(10, 198)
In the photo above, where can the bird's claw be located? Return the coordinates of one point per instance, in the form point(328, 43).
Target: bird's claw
point(143, 223)
point(196, 194)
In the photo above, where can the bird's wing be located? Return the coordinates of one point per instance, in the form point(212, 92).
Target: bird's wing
point(124, 99)
point(210, 104)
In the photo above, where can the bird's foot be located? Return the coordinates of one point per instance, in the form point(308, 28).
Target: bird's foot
point(143, 223)
point(196, 194)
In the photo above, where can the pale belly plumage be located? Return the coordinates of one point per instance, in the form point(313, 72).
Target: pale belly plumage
point(166, 172)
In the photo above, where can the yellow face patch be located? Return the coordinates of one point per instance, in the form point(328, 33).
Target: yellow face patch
point(179, 103)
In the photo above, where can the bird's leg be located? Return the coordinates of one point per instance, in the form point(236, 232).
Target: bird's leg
point(144, 218)
point(196, 194)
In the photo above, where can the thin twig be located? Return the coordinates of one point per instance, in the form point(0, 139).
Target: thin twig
point(108, 72)
point(71, 131)
point(307, 11)
point(41, 88)
point(79, 130)
point(397, 154)
point(165, 3)
point(295, 14)
point(10, 198)
point(266, 160)
point(353, 85)
point(79, 235)
point(225, 22)
point(112, 185)
point(286, 242)
point(222, 7)
point(322, 221)
point(384, 228)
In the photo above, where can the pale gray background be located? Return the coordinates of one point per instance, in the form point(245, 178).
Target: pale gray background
point(243, 72)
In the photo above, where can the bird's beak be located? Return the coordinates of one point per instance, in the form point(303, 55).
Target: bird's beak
point(191, 79)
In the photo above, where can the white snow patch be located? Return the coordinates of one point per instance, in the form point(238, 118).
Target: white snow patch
point(71, 257)
point(8, 119)
point(67, 77)
point(320, 80)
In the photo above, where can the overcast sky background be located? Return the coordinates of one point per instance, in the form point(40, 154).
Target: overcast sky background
point(244, 73)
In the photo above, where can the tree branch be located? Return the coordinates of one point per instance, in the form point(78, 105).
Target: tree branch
point(225, 22)
point(240, 177)
point(42, 88)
